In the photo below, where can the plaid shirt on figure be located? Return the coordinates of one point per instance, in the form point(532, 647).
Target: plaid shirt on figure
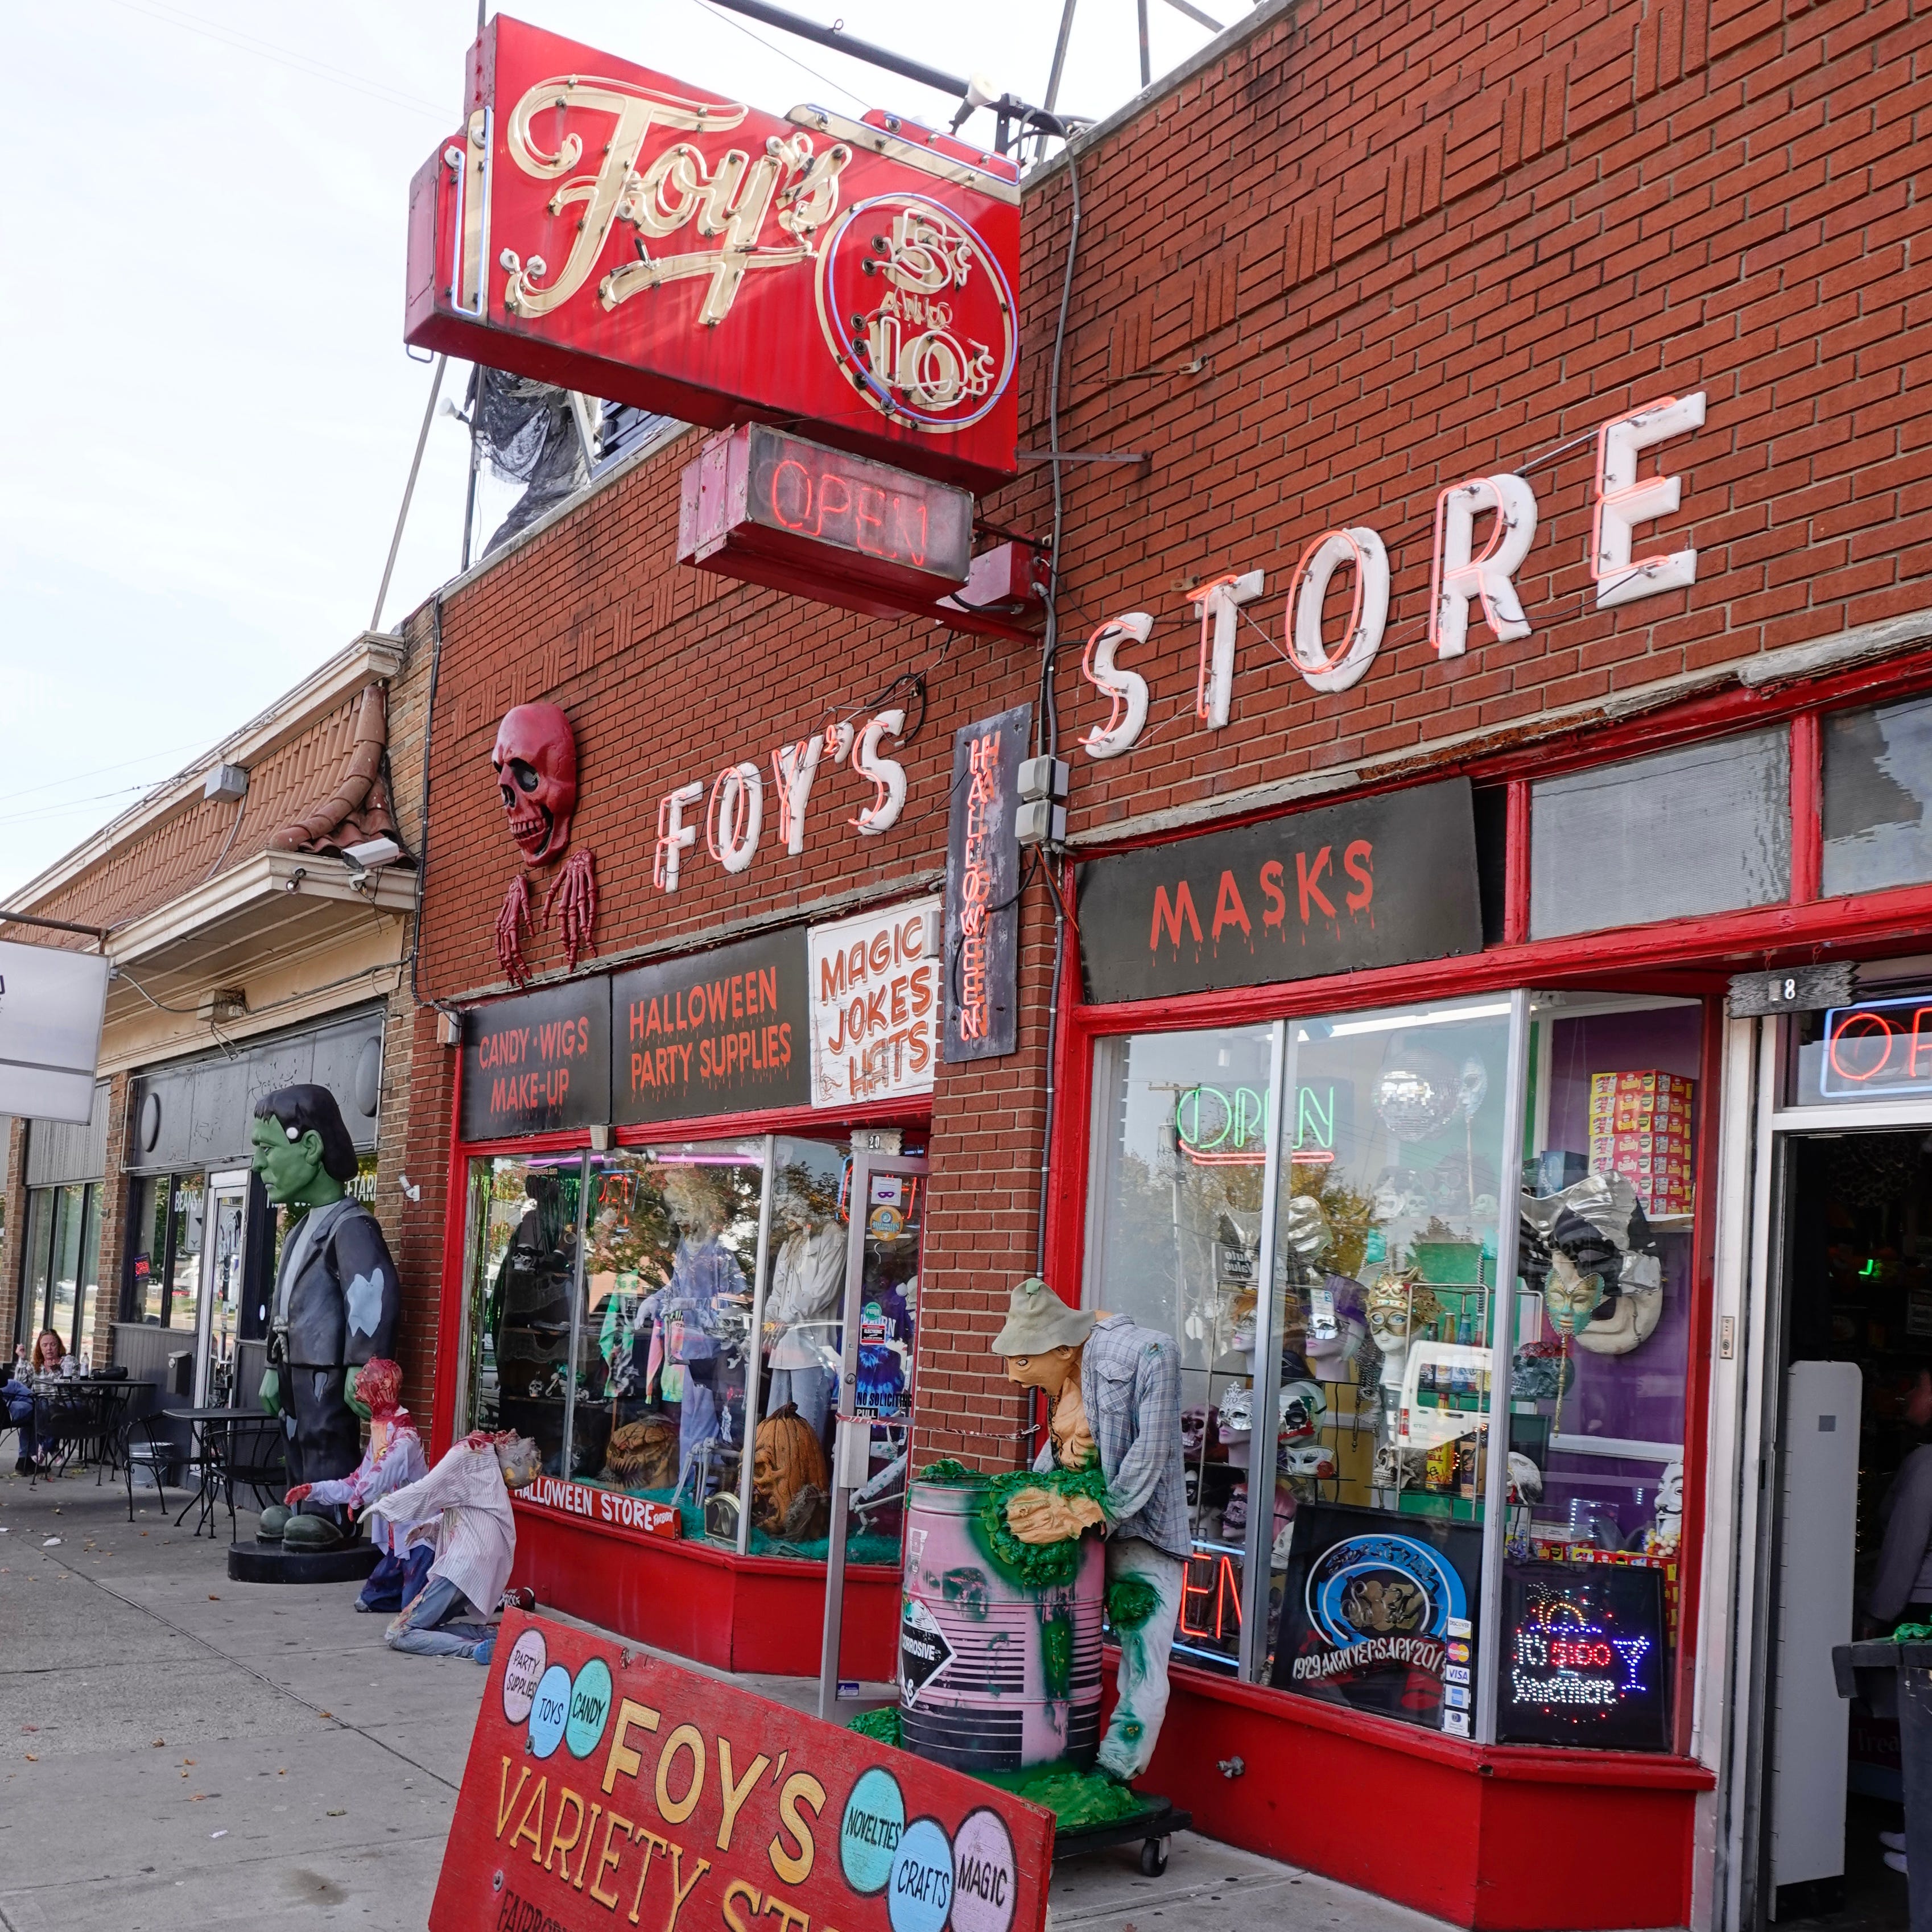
point(1130, 1384)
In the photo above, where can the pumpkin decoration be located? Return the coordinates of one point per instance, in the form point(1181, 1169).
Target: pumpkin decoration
point(643, 1455)
point(786, 1458)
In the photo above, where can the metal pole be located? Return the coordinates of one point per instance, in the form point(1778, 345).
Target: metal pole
point(409, 490)
point(783, 18)
point(475, 400)
point(1502, 1337)
point(1263, 1399)
point(841, 1494)
point(1147, 59)
point(754, 1353)
point(1059, 54)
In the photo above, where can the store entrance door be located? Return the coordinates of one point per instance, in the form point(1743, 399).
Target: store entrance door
point(1853, 1312)
point(223, 1257)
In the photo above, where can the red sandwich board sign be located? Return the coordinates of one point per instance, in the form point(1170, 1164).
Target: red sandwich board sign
point(598, 225)
point(607, 1789)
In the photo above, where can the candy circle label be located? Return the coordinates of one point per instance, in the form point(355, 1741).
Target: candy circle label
point(985, 1877)
point(550, 1711)
point(869, 1833)
point(920, 1895)
point(522, 1674)
point(589, 1708)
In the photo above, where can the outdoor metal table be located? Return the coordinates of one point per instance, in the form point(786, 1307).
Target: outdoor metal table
point(214, 1461)
point(1913, 1663)
point(79, 1414)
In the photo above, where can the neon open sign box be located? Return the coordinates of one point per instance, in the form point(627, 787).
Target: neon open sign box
point(598, 225)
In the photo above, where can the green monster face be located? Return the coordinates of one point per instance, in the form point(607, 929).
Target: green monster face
point(292, 1171)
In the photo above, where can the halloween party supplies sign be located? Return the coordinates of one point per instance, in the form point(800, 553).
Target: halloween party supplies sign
point(605, 1789)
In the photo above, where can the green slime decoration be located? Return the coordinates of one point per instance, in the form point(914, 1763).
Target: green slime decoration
point(1056, 1651)
point(1076, 1798)
point(946, 1470)
point(1035, 1566)
point(882, 1725)
point(1912, 1633)
point(1131, 1601)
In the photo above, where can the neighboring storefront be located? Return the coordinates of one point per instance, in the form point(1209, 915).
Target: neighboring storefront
point(1501, 586)
point(249, 953)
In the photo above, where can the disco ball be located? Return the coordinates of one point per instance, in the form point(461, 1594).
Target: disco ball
point(1417, 1095)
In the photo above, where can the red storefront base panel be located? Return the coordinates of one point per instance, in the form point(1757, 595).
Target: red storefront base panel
point(1493, 1839)
point(762, 1614)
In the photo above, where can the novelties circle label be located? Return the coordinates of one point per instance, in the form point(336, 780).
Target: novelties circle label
point(550, 1711)
point(522, 1672)
point(916, 308)
point(985, 1876)
point(919, 1894)
point(589, 1708)
point(870, 1831)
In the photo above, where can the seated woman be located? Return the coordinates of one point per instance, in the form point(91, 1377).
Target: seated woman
point(49, 1358)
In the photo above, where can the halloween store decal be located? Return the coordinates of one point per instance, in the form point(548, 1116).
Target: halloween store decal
point(715, 1032)
point(534, 758)
point(606, 1788)
point(1378, 1614)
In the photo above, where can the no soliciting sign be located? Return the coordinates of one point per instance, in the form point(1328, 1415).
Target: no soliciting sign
point(606, 1789)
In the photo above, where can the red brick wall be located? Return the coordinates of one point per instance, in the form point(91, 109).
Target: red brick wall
point(1408, 248)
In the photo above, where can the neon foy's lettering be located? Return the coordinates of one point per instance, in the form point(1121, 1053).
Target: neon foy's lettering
point(1461, 574)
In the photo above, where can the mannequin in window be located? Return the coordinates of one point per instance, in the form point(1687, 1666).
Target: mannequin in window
point(808, 1288)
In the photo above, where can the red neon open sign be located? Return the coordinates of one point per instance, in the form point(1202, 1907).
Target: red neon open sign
point(1877, 1047)
point(773, 508)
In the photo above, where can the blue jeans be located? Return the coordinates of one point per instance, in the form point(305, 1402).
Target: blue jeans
point(19, 1401)
point(439, 1623)
point(396, 1580)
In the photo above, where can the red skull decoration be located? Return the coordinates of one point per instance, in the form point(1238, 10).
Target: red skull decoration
point(535, 762)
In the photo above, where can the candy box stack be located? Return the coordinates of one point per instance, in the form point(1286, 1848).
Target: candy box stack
point(1640, 1128)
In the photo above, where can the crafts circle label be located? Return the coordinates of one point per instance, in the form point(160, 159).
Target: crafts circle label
point(920, 1895)
point(529, 1656)
point(870, 1831)
point(550, 1711)
point(985, 1878)
point(589, 1708)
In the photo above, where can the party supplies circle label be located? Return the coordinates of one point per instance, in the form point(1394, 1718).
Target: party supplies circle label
point(522, 1673)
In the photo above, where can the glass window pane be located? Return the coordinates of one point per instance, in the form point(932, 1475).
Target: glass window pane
point(1173, 1242)
point(89, 1282)
point(40, 1218)
point(1385, 1289)
point(1598, 1373)
point(1878, 779)
point(183, 1310)
point(69, 1207)
point(895, 1212)
point(671, 1252)
point(1704, 828)
point(149, 1239)
point(524, 1253)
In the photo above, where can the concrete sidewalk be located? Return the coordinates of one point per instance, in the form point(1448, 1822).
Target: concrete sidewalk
point(177, 1750)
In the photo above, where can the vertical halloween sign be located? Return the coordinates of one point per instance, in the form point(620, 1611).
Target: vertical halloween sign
point(606, 1789)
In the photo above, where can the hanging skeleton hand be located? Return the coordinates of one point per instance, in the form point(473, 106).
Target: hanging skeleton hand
point(573, 899)
point(511, 922)
point(1041, 1516)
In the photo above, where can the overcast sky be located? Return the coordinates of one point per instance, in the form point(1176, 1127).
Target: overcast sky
point(210, 413)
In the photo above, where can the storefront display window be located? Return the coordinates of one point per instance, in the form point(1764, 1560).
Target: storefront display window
point(63, 1265)
point(1704, 828)
point(1384, 1566)
point(696, 1306)
point(1877, 780)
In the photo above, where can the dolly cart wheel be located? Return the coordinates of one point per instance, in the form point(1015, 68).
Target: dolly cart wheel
point(1154, 1857)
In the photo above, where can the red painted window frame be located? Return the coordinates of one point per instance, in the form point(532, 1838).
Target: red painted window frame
point(1686, 956)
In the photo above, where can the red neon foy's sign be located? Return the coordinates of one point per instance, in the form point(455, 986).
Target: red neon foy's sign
point(599, 225)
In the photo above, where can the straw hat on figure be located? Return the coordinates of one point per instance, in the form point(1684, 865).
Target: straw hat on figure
point(1114, 1392)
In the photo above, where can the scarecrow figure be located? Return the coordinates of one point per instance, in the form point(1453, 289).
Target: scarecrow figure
point(1114, 1389)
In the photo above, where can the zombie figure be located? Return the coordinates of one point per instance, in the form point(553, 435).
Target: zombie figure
point(337, 1300)
point(1115, 1392)
point(535, 762)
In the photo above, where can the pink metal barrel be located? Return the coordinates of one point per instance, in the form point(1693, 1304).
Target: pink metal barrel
point(993, 1675)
